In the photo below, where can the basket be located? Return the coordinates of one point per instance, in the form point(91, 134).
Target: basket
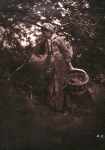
point(77, 81)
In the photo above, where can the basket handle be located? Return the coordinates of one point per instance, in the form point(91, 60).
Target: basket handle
point(73, 68)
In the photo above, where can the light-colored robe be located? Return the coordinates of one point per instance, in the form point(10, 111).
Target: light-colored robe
point(57, 54)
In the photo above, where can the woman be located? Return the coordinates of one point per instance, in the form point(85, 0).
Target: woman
point(57, 60)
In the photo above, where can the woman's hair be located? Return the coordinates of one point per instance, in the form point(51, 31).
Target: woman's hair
point(48, 27)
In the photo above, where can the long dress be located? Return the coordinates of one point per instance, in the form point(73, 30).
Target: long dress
point(60, 58)
point(54, 55)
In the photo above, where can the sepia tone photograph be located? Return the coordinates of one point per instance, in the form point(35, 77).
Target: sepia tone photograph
point(52, 74)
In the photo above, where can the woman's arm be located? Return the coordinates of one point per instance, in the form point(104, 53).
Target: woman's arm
point(66, 51)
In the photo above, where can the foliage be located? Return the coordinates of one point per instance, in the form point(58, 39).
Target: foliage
point(83, 23)
point(79, 20)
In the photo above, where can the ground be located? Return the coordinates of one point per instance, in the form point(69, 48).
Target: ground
point(28, 123)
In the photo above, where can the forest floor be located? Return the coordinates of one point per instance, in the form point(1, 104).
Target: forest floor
point(28, 123)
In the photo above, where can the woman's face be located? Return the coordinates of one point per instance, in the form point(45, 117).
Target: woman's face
point(47, 34)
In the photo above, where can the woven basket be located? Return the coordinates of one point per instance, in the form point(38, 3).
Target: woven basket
point(77, 81)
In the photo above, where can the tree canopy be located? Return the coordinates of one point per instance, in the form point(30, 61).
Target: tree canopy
point(81, 21)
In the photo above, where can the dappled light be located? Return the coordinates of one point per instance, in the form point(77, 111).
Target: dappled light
point(26, 119)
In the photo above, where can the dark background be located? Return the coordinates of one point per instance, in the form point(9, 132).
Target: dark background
point(25, 121)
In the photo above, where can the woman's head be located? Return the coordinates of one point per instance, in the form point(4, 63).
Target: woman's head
point(47, 30)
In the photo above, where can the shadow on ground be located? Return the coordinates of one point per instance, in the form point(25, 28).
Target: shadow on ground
point(25, 123)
